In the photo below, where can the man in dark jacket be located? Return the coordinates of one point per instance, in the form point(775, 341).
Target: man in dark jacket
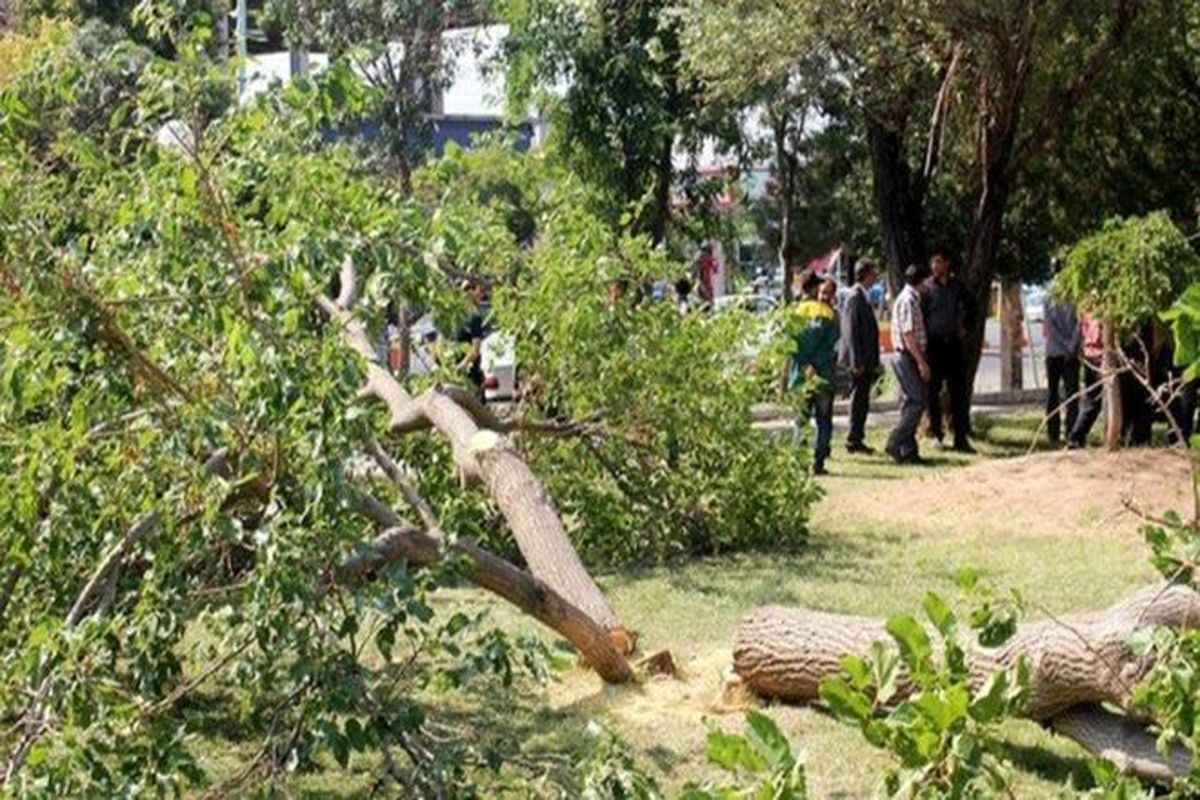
point(860, 352)
point(945, 309)
point(1064, 344)
point(471, 332)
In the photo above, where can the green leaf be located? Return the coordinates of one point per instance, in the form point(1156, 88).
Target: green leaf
point(914, 644)
point(967, 579)
point(732, 752)
point(858, 670)
point(767, 739)
point(939, 614)
point(847, 703)
point(991, 704)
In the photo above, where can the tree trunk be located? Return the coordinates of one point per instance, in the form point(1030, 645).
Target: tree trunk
point(787, 187)
point(899, 201)
point(1124, 742)
point(1114, 415)
point(979, 268)
point(1010, 336)
point(1078, 661)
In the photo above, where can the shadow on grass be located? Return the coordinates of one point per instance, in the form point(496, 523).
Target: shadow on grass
point(534, 739)
point(753, 579)
point(1049, 765)
point(212, 714)
point(1011, 435)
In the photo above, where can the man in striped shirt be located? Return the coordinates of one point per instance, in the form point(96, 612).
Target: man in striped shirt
point(911, 366)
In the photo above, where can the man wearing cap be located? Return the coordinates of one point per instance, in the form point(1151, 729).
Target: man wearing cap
point(860, 352)
point(911, 366)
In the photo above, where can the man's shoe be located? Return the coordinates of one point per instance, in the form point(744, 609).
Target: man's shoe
point(965, 447)
point(819, 469)
point(859, 447)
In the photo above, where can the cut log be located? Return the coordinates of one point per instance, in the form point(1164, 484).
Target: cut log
point(1079, 659)
point(1076, 663)
point(517, 492)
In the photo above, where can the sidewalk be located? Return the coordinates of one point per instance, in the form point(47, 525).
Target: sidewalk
point(773, 419)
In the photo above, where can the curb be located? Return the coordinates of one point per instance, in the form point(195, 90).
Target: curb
point(769, 412)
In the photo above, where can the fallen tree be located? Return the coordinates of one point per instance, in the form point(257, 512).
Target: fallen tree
point(482, 456)
point(1078, 664)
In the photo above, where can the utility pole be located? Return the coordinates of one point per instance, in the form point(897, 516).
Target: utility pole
point(240, 38)
point(297, 60)
point(220, 10)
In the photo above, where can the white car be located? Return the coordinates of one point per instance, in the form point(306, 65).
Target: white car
point(754, 303)
point(1033, 298)
point(499, 356)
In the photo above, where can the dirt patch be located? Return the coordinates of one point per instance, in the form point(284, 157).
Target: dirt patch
point(1066, 493)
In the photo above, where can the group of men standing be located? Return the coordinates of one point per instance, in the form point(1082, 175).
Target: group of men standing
point(929, 327)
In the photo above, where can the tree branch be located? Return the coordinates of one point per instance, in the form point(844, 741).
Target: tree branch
point(34, 717)
point(937, 126)
point(403, 542)
point(1052, 117)
point(397, 476)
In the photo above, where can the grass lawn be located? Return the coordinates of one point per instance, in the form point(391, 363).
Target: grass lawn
point(1051, 525)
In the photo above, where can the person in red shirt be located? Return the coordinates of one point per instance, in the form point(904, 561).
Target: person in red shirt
point(1093, 392)
point(706, 273)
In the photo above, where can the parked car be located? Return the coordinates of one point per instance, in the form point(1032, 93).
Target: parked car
point(499, 354)
point(755, 303)
point(760, 306)
point(1033, 298)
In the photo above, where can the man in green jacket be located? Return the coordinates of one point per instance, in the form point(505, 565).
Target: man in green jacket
point(813, 326)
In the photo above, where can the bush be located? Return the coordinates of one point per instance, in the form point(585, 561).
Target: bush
point(1130, 271)
point(668, 463)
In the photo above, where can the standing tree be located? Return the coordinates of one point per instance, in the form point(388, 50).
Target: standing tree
point(1125, 276)
point(399, 47)
point(625, 103)
point(774, 108)
point(974, 92)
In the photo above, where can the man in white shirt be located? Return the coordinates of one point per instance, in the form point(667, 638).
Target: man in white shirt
point(911, 366)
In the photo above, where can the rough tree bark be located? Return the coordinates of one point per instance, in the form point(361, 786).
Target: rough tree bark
point(485, 457)
point(785, 168)
point(1004, 154)
point(1076, 662)
point(899, 197)
point(1114, 411)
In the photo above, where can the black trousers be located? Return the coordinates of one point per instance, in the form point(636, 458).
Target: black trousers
point(1093, 401)
point(1183, 412)
point(860, 404)
point(948, 367)
point(1137, 411)
point(1061, 371)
